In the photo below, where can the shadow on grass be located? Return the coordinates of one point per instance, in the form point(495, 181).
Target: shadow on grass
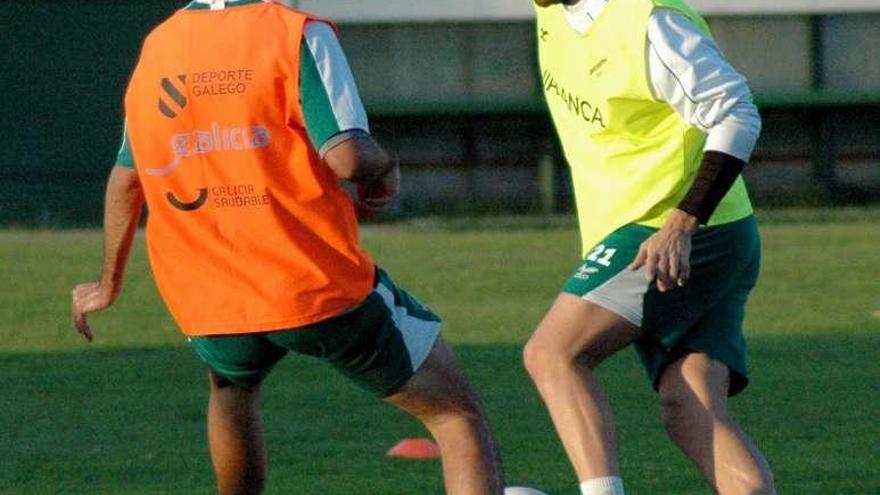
point(132, 421)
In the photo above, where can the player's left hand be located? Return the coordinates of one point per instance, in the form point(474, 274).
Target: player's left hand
point(666, 254)
point(88, 298)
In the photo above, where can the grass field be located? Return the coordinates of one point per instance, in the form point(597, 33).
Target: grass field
point(125, 414)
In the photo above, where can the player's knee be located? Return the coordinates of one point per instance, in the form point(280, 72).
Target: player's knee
point(450, 399)
point(545, 361)
point(459, 408)
point(536, 358)
point(468, 410)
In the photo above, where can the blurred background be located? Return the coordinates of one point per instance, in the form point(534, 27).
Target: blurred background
point(454, 87)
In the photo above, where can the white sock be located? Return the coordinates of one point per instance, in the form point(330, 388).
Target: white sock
point(609, 485)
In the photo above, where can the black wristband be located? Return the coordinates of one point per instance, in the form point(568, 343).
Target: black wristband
point(716, 175)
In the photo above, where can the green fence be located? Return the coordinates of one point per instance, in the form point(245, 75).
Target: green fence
point(65, 65)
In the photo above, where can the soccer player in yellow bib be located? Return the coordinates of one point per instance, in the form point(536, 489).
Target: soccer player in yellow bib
point(656, 127)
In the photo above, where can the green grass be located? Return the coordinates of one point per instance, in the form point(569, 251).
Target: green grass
point(125, 414)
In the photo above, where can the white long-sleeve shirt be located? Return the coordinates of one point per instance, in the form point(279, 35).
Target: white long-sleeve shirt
point(689, 72)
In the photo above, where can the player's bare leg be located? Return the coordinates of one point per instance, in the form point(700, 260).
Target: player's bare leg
point(441, 398)
point(235, 437)
point(693, 398)
point(574, 337)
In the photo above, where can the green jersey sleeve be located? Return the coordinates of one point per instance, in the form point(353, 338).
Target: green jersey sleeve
point(332, 106)
point(124, 158)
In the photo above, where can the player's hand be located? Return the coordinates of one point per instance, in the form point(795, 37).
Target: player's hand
point(374, 198)
point(88, 298)
point(666, 254)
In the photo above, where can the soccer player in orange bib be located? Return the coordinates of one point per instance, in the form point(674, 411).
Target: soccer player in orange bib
point(241, 119)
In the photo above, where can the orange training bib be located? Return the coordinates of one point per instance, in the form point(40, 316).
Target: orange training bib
point(248, 229)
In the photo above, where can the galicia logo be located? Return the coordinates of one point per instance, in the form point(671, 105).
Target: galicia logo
point(217, 139)
point(190, 206)
point(173, 100)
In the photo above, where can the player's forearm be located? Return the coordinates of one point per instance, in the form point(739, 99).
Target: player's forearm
point(716, 175)
point(123, 203)
point(688, 71)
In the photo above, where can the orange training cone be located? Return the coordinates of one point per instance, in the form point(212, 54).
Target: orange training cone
point(415, 448)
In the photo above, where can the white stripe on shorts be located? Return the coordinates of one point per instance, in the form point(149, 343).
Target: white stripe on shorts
point(623, 294)
point(418, 335)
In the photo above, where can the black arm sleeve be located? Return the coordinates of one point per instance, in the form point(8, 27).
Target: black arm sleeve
point(716, 175)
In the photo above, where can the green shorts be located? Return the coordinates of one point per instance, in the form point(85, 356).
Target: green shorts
point(379, 345)
point(706, 315)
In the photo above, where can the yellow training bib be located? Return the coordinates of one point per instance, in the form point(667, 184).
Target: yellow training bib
point(632, 157)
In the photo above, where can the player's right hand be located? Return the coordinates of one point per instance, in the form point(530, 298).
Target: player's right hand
point(88, 298)
point(666, 254)
point(373, 198)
